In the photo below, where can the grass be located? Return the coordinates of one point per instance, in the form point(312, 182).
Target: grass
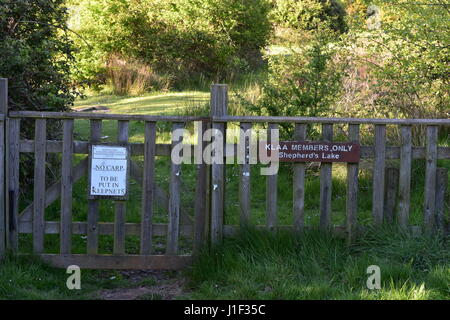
point(27, 277)
point(254, 265)
point(315, 265)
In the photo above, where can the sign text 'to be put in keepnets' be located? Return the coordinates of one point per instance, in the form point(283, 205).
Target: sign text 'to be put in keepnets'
point(108, 174)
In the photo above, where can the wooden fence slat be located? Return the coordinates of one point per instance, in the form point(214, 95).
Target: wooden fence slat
point(217, 189)
point(93, 204)
point(244, 176)
point(351, 221)
point(224, 117)
point(54, 191)
point(13, 183)
point(2, 190)
point(405, 177)
point(160, 196)
point(39, 186)
point(200, 194)
point(66, 188)
point(120, 213)
point(378, 174)
point(105, 228)
point(3, 112)
point(298, 209)
point(140, 262)
point(147, 188)
point(271, 190)
point(173, 228)
point(326, 182)
point(390, 197)
point(441, 190)
point(430, 177)
point(219, 104)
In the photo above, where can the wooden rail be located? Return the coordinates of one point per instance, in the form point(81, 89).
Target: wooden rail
point(101, 116)
point(266, 119)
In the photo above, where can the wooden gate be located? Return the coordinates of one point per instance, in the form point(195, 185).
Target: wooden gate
point(206, 222)
point(32, 219)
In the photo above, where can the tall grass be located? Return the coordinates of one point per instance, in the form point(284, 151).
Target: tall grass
point(129, 76)
point(317, 265)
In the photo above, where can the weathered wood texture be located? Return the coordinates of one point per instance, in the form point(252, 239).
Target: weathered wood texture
point(326, 181)
point(351, 221)
point(104, 228)
point(219, 104)
point(271, 186)
point(39, 186)
point(200, 193)
point(120, 213)
point(405, 177)
point(66, 188)
point(3, 111)
point(315, 120)
point(430, 178)
point(298, 195)
point(147, 188)
point(441, 192)
point(163, 149)
point(13, 183)
point(93, 204)
point(102, 116)
point(174, 193)
point(140, 262)
point(224, 117)
point(54, 191)
point(378, 174)
point(244, 176)
point(390, 197)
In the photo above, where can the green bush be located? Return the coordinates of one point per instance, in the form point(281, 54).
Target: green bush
point(306, 82)
point(309, 14)
point(36, 54)
point(36, 57)
point(182, 38)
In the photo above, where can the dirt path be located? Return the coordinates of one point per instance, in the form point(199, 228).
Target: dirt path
point(146, 285)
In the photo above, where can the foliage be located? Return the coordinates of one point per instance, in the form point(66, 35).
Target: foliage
point(36, 54)
point(132, 76)
point(305, 82)
point(37, 57)
point(316, 265)
point(404, 63)
point(309, 14)
point(181, 38)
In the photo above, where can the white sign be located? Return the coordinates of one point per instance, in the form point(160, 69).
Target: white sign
point(109, 167)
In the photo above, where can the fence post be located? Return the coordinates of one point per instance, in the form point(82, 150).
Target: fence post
point(219, 104)
point(3, 113)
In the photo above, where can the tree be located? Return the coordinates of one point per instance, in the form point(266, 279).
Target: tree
point(309, 14)
point(37, 54)
point(182, 38)
point(406, 59)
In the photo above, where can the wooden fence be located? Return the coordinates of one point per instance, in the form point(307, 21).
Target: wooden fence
point(207, 224)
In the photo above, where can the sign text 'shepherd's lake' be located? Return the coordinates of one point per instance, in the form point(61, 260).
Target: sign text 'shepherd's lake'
point(305, 151)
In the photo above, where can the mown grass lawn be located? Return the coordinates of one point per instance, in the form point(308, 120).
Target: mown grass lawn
point(254, 265)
